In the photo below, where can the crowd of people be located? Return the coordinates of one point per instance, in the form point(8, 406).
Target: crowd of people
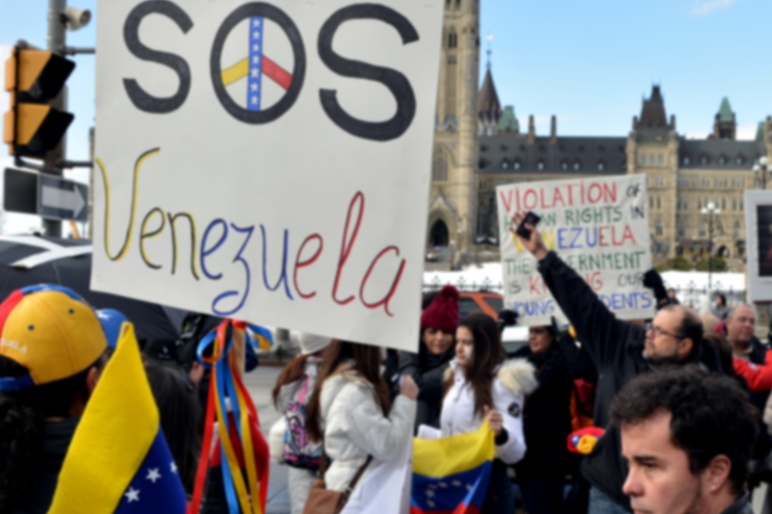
point(679, 406)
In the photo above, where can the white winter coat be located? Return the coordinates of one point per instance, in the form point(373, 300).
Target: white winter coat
point(513, 381)
point(355, 427)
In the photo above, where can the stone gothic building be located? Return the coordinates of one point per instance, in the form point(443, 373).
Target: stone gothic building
point(479, 145)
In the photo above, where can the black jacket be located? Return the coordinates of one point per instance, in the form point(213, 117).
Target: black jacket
point(616, 348)
point(56, 439)
point(427, 371)
point(547, 415)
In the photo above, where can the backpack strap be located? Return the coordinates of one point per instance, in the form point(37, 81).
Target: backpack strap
point(304, 390)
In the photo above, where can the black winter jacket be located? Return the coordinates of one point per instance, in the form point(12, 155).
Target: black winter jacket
point(427, 370)
point(56, 439)
point(547, 415)
point(616, 348)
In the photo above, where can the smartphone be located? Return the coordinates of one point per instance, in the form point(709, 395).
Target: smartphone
point(532, 219)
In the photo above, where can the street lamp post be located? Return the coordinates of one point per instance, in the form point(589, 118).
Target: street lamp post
point(760, 171)
point(711, 211)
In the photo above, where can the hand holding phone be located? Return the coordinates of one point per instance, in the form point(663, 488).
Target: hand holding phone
point(531, 218)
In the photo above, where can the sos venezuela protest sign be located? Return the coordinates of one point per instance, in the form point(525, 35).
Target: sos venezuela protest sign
point(598, 226)
point(268, 161)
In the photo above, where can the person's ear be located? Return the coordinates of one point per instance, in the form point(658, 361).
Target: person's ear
point(92, 378)
point(716, 474)
point(685, 348)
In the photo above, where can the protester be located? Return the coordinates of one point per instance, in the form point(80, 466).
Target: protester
point(720, 308)
point(480, 386)
point(291, 396)
point(672, 294)
point(621, 350)
point(546, 424)
point(750, 356)
point(350, 412)
point(181, 419)
point(687, 436)
point(435, 351)
point(52, 351)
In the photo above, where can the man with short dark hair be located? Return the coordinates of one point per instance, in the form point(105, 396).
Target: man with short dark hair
point(621, 350)
point(687, 437)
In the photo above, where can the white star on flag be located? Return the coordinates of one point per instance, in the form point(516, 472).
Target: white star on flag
point(256, 23)
point(254, 87)
point(256, 35)
point(256, 59)
point(254, 100)
point(430, 494)
point(255, 73)
point(469, 487)
point(430, 503)
point(102, 315)
point(132, 495)
point(442, 484)
point(255, 48)
point(153, 475)
point(173, 467)
point(456, 483)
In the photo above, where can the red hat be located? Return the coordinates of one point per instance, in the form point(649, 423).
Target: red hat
point(442, 313)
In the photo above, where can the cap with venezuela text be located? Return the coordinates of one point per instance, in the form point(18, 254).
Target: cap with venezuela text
point(51, 331)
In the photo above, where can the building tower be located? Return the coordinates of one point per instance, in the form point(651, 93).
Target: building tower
point(725, 125)
point(652, 148)
point(452, 202)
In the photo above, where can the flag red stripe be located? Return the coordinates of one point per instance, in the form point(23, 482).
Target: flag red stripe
point(276, 73)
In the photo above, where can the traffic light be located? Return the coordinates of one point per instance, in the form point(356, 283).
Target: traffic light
point(34, 78)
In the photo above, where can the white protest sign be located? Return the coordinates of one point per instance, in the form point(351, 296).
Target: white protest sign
point(758, 235)
point(268, 161)
point(598, 226)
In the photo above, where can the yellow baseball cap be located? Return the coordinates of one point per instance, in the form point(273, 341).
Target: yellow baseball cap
point(51, 331)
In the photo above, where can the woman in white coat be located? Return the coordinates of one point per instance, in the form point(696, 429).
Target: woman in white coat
point(351, 412)
point(480, 385)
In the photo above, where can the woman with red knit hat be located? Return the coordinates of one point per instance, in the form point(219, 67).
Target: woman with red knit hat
point(438, 329)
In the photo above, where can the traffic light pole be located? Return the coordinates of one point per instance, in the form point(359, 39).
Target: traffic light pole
point(56, 43)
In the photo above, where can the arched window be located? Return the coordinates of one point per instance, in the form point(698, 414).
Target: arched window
point(686, 161)
point(736, 230)
point(659, 202)
point(564, 165)
point(516, 165)
point(601, 166)
point(577, 166)
point(540, 165)
point(734, 204)
point(681, 228)
point(504, 165)
point(659, 228)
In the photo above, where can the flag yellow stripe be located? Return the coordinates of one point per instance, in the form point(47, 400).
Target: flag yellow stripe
point(450, 455)
point(113, 437)
point(236, 72)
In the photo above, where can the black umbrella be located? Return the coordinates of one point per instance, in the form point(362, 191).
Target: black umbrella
point(28, 260)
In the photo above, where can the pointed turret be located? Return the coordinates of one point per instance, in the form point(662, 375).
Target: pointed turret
point(508, 123)
point(725, 125)
point(653, 112)
point(488, 106)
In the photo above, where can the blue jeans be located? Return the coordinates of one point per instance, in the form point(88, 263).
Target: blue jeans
point(602, 504)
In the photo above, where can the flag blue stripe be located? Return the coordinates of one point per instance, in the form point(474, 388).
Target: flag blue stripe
point(156, 487)
point(443, 494)
point(255, 77)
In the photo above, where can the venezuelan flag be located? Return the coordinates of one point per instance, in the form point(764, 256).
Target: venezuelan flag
point(118, 460)
point(451, 474)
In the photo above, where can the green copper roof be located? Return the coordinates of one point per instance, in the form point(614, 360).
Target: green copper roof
point(760, 132)
point(508, 122)
point(725, 111)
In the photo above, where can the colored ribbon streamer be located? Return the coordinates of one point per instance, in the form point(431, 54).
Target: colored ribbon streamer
point(231, 407)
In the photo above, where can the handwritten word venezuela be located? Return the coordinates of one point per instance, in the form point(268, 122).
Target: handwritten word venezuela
point(154, 224)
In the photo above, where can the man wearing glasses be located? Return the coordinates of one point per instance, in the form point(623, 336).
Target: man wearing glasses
point(621, 350)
